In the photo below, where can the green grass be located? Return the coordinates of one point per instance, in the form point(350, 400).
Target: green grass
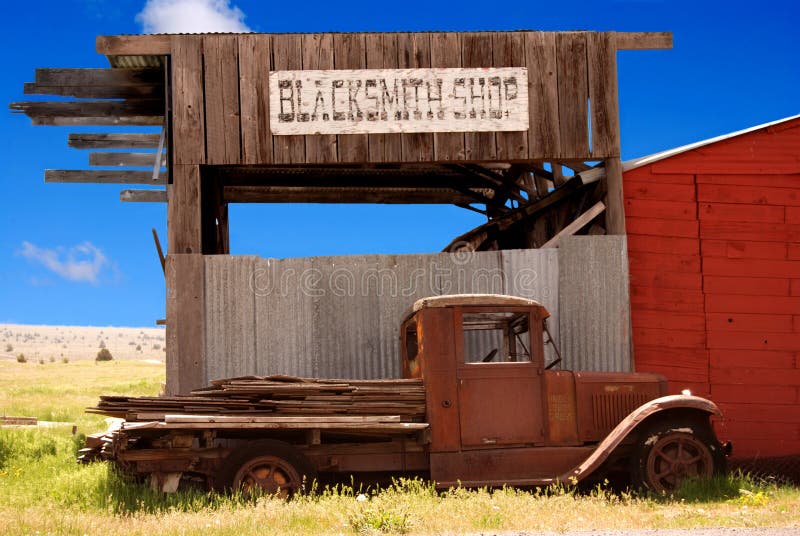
point(43, 490)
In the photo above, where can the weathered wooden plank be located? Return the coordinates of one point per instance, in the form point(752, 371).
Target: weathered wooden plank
point(329, 419)
point(615, 215)
point(126, 159)
point(103, 120)
point(134, 45)
point(113, 141)
point(254, 63)
point(221, 88)
point(184, 212)
point(188, 122)
point(44, 110)
point(143, 196)
point(367, 428)
point(98, 92)
point(318, 54)
point(602, 63)
point(382, 54)
point(349, 52)
point(573, 94)
point(576, 225)
point(185, 320)
point(413, 51)
point(99, 77)
point(508, 49)
point(106, 176)
point(476, 51)
point(544, 138)
point(306, 194)
point(286, 56)
point(445, 51)
point(643, 40)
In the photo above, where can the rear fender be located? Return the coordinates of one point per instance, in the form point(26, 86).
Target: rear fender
point(630, 423)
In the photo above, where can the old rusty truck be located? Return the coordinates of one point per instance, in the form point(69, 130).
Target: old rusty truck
point(477, 406)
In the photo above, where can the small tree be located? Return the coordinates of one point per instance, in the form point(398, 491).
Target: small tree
point(102, 344)
point(138, 347)
point(9, 347)
point(104, 355)
point(21, 358)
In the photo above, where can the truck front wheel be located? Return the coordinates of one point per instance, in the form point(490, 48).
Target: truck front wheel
point(265, 467)
point(671, 452)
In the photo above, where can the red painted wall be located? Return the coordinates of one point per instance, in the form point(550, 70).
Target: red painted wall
point(714, 246)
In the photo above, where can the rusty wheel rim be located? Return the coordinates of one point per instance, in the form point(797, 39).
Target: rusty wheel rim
point(677, 457)
point(269, 475)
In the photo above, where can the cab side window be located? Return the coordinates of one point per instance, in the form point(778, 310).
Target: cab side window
point(496, 337)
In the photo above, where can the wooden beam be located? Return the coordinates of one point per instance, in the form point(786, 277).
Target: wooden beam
point(100, 121)
point(185, 322)
point(113, 141)
point(143, 196)
point(99, 77)
point(97, 92)
point(615, 216)
point(302, 194)
point(184, 213)
point(105, 176)
point(126, 159)
point(576, 225)
point(643, 40)
point(592, 175)
point(147, 107)
point(133, 45)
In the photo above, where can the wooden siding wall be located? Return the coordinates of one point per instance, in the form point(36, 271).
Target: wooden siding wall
point(714, 246)
point(221, 101)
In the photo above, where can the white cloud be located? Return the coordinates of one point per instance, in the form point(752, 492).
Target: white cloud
point(191, 16)
point(83, 262)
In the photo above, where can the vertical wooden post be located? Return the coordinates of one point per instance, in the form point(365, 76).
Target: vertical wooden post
point(185, 273)
point(615, 204)
point(184, 229)
point(185, 323)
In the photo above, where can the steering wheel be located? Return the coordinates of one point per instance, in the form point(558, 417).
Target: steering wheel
point(553, 364)
point(489, 356)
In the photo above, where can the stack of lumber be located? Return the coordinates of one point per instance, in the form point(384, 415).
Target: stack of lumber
point(278, 396)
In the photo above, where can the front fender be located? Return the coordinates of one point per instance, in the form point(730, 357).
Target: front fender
point(629, 423)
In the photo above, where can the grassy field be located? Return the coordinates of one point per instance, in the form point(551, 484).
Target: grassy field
point(43, 491)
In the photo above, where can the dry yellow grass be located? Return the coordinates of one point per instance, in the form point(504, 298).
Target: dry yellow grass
point(42, 489)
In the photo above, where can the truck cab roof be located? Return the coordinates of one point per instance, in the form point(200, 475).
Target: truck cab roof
point(474, 300)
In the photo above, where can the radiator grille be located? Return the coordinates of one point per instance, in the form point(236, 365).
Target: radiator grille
point(610, 408)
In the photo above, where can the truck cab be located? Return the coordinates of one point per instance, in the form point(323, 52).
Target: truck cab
point(499, 414)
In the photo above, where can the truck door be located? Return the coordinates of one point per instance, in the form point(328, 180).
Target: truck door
point(499, 373)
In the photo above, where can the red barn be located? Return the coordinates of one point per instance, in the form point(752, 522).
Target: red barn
point(714, 245)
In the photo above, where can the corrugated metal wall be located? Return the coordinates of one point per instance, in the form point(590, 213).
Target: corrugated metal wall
point(595, 304)
point(339, 316)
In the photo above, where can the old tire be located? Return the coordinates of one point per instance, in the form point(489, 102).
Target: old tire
point(265, 466)
point(672, 451)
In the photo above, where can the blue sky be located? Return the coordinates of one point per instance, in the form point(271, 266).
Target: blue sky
point(73, 254)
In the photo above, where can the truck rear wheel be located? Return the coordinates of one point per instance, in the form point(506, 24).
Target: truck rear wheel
point(267, 467)
point(671, 452)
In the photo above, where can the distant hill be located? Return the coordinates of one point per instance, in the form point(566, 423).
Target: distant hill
point(80, 342)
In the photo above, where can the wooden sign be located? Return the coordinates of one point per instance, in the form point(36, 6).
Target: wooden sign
point(373, 101)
